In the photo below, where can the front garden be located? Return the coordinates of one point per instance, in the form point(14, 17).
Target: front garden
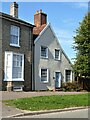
point(50, 102)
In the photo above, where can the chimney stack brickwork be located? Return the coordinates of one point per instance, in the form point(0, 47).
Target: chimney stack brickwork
point(40, 21)
point(14, 9)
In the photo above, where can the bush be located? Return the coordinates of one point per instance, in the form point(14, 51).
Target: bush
point(74, 86)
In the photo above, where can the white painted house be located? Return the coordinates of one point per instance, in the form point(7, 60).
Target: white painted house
point(51, 64)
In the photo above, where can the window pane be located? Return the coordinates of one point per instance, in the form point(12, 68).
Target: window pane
point(17, 72)
point(43, 74)
point(17, 60)
point(14, 35)
point(43, 51)
point(57, 54)
point(17, 66)
point(68, 74)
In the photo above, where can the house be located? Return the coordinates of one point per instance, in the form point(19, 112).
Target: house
point(16, 51)
point(31, 57)
point(51, 65)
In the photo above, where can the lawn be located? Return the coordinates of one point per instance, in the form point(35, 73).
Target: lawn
point(49, 102)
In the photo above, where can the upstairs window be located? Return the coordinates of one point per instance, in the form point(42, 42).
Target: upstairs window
point(14, 36)
point(57, 54)
point(44, 52)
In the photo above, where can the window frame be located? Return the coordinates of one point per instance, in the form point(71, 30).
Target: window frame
point(55, 54)
point(12, 44)
point(22, 78)
point(11, 67)
point(46, 52)
point(68, 76)
point(47, 75)
point(71, 75)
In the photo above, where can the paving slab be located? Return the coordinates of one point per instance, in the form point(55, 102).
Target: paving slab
point(8, 111)
point(14, 95)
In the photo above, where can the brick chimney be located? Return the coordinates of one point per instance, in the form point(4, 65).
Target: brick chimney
point(40, 21)
point(40, 18)
point(14, 9)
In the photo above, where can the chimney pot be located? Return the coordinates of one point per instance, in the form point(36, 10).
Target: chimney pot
point(40, 10)
point(37, 11)
point(14, 2)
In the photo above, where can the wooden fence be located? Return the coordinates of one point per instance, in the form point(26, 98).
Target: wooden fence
point(84, 83)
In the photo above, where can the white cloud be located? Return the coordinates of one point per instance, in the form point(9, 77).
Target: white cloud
point(64, 36)
point(81, 5)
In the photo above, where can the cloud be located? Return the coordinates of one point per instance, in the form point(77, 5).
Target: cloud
point(64, 36)
point(81, 5)
point(84, 4)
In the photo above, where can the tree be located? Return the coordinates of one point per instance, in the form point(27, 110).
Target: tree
point(82, 47)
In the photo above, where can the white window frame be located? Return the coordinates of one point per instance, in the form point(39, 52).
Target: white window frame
point(20, 79)
point(55, 54)
point(47, 75)
point(11, 67)
point(46, 52)
point(12, 44)
point(65, 75)
point(5, 68)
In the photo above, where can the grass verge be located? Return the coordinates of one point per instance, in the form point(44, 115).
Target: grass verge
point(49, 102)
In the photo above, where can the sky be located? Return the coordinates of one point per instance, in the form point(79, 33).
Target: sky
point(63, 16)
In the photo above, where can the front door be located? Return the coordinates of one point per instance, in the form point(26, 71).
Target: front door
point(57, 79)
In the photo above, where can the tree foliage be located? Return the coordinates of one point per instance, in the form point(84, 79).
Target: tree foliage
point(82, 48)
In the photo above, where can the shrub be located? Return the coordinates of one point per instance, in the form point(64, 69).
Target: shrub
point(74, 86)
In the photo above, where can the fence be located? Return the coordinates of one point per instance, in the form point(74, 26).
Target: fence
point(84, 83)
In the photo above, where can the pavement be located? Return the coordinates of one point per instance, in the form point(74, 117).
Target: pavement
point(8, 111)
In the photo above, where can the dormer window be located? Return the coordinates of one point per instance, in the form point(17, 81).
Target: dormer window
point(14, 36)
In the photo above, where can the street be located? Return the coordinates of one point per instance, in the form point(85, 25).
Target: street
point(83, 113)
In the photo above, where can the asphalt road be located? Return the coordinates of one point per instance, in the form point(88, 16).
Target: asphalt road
point(83, 113)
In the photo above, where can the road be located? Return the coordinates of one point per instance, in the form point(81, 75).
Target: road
point(83, 113)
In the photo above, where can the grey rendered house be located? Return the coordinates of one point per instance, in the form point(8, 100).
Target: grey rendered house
point(51, 65)
point(16, 42)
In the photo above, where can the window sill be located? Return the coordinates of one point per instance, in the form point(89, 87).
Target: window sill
point(44, 82)
point(57, 59)
point(13, 45)
point(44, 57)
point(7, 80)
